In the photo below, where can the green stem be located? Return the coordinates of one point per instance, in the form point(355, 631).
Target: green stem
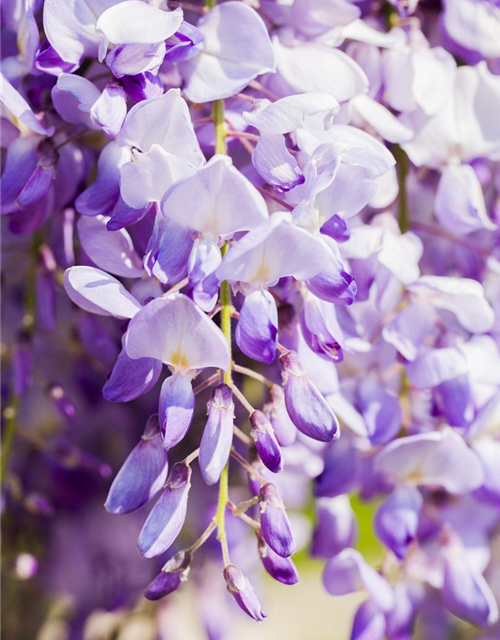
point(402, 169)
point(220, 126)
point(221, 512)
point(226, 311)
point(10, 415)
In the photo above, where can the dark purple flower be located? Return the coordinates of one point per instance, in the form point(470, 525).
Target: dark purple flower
point(167, 516)
point(242, 591)
point(276, 528)
point(142, 475)
point(217, 435)
point(281, 569)
point(171, 577)
point(265, 441)
point(306, 406)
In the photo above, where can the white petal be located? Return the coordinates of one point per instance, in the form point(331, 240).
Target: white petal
point(381, 119)
point(137, 22)
point(290, 113)
point(218, 199)
point(165, 121)
point(150, 175)
point(98, 292)
point(175, 331)
point(313, 67)
point(236, 50)
point(111, 251)
point(264, 255)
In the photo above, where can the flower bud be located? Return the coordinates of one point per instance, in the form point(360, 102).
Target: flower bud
point(142, 475)
point(63, 404)
point(265, 441)
point(276, 528)
point(167, 516)
point(306, 407)
point(171, 577)
point(242, 591)
point(281, 569)
point(218, 434)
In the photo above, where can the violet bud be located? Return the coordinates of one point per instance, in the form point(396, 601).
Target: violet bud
point(242, 591)
point(176, 409)
point(171, 577)
point(142, 475)
point(396, 520)
point(166, 518)
point(218, 434)
point(281, 569)
point(38, 504)
point(265, 441)
point(276, 528)
point(305, 404)
point(63, 404)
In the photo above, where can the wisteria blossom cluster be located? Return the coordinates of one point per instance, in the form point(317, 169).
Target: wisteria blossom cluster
point(268, 231)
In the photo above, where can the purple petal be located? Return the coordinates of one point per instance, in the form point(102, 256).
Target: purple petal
point(131, 379)
point(348, 572)
point(218, 434)
point(257, 329)
point(265, 442)
point(281, 569)
point(276, 529)
point(282, 426)
point(176, 409)
point(168, 251)
point(396, 520)
point(306, 406)
point(167, 516)
point(110, 109)
point(275, 163)
point(141, 476)
point(242, 591)
point(369, 623)
point(171, 577)
point(335, 526)
point(102, 195)
point(143, 86)
point(204, 285)
point(465, 592)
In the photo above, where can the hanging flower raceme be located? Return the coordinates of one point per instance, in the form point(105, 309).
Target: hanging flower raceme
point(277, 226)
